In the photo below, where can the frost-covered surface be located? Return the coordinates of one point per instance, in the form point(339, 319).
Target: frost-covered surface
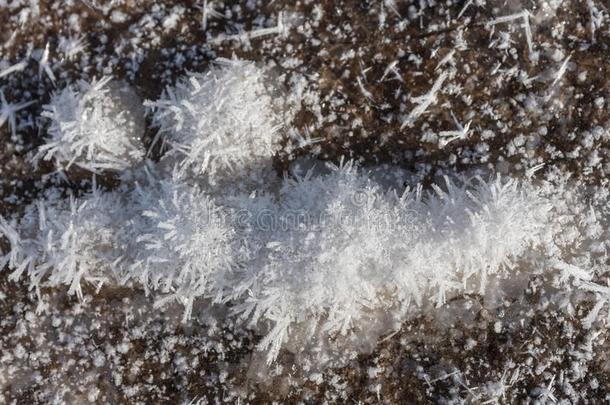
point(424, 89)
point(67, 241)
point(187, 246)
point(326, 255)
point(94, 126)
point(220, 122)
point(343, 249)
point(163, 235)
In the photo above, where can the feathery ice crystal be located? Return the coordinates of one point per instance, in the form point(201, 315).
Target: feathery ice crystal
point(96, 126)
point(323, 257)
point(343, 248)
point(65, 242)
point(220, 120)
point(187, 245)
point(168, 237)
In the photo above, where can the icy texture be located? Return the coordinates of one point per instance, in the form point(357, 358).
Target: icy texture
point(95, 126)
point(218, 121)
point(166, 236)
point(313, 258)
point(343, 247)
point(65, 242)
point(187, 245)
point(325, 256)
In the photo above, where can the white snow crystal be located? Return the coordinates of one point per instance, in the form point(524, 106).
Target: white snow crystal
point(65, 242)
point(217, 121)
point(424, 101)
point(8, 112)
point(95, 126)
point(71, 46)
point(342, 248)
point(17, 67)
point(324, 257)
point(166, 236)
point(187, 245)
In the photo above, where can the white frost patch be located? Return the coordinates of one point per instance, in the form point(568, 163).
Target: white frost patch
point(166, 236)
point(95, 126)
point(218, 122)
point(187, 246)
point(334, 255)
point(345, 250)
point(65, 242)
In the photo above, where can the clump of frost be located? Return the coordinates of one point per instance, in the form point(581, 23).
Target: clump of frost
point(342, 249)
point(165, 236)
point(96, 126)
point(219, 121)
point(331, 256)
point(65, 242)
point(333, 243)
point(187, 245)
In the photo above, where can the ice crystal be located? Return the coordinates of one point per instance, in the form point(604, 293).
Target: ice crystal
point(8, 112)
point(187, 245)
point(344, 247)
point(93, 126)
point(322, 256)
point(217, 121)
point(168, 237)
point(66, 242)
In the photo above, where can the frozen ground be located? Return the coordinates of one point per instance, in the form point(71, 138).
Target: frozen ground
point(412, 90)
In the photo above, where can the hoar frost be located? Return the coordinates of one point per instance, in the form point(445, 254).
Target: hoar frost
point(315, 256)
point(218, 121)
point(168, 237)
point(322, 257)
point(187, 245)
point(344, 247)
point(68, 241)
point(96, 126)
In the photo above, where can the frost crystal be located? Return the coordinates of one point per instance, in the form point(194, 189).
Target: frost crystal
point(424, 101)
point(8, 112)
point(344, 248)
point(168, 237)
point(219, 120)
point(65, 242)
point(71, 46)
point(324, 256)
point(17, 67)
point(187, 245)
point(95, 126)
